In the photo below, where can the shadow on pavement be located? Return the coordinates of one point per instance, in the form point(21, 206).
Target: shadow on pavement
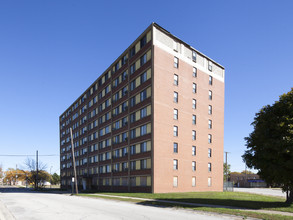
point(15, 189)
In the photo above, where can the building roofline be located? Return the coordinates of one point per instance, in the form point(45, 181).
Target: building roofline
point(153, 24)
point(186, 44)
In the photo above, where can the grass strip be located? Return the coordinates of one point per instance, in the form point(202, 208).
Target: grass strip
point(225, 211)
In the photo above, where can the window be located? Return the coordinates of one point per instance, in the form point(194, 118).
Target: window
point(124, 106)
point(132, 149)
point(194, 87)
point(193, 181)
point(209, 152)
point(193, 135)
point(175, 147)
point(123, 60)
point(116, 67)
point(175, 80)
point(194, 72)
point(133, 133)
point(194, 56)
point(143, 77)
point(132, 68)
point(175, 131)
point(193, 119)
point(143, 147)
point(124, 121)
point(194, 103)
point(210, 80)
point(124, 75)
point(209, 167)
point(176, 97)
point(175, 181)
point(132, 165)
point(193, 166)
point(132, 51)
point(210, 66)
point(124, 136)
point(143, 164)
point(210, 138)
point(143, 130)
point(193, 150)
point(176, 62)
point(143, 112)
point(124, 152)
point(124, 166)
point(210, 95)
point(210, 109)
point(210, 181)
point(132, 181)
point(175, 164)
point(175, 114)
point(210, 124)
point(143, 95)
point(132, 101)
point(132, 117)
point(116, 167)
point(175, 46)
point(124, 91)
point(143, 59)
point(132, 85)
point(143, 41)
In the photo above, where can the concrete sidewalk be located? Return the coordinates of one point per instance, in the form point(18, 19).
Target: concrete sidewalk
point(199, 205)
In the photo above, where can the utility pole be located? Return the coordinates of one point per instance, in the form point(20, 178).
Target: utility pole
point(16, 175)
point(73, 158)
point(50, 177)
point(37, 167)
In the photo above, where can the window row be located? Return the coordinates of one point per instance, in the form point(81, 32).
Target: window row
point(176, 61)
point(194, 74)
point(193, 181)
point(193, 165)
point(193, 150)
point(175, 96)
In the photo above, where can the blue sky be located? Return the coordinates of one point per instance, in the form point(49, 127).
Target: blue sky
point(51, 51)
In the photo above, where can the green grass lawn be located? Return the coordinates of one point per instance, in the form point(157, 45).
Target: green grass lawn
point(234, 199)
point(237, 199)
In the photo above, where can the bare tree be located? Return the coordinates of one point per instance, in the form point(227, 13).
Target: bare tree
point(35, 174)
point(31, 164)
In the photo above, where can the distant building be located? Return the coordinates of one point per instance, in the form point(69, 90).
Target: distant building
point(247, 180)
point(152, 122)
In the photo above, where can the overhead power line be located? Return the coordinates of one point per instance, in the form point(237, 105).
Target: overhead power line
point(28, 155)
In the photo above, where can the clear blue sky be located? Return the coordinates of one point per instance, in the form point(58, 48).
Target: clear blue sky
point(51, 51)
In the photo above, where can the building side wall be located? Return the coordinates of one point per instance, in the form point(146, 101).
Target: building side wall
point(163, 139)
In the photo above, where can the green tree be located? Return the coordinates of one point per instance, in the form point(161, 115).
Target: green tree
point(270, 145)
point(227, 172)
point(247, 172)
point(55, 179)
point(1, 172)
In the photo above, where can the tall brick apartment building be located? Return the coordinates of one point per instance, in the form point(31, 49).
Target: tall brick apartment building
point(152, 122)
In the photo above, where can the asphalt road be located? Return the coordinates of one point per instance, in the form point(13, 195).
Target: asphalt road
point(23, 204)
point(262, 191)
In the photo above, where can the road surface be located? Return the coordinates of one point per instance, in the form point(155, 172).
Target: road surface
point(262, 191)
point(23, 204)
